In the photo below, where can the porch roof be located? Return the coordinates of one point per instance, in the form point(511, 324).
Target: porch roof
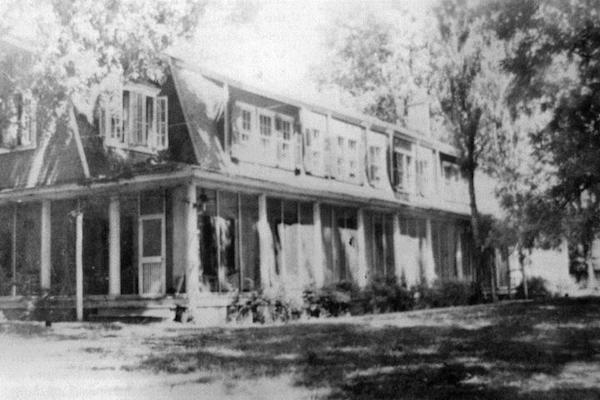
point(304, 187)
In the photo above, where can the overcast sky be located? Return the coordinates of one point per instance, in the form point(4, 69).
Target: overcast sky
point(282, 41)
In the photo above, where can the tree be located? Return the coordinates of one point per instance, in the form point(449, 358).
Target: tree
point(380, 62)
point(83, 47)
point(384, 63)
point(554, 59)
point(470, 86)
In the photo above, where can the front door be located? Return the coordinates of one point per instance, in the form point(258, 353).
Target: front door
point(152, 251)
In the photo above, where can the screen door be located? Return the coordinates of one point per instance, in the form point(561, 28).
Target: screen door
point(152, 245)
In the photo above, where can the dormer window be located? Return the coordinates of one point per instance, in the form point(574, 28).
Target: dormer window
point(18, 126)
point(402, 172)
point(137, 119)
point(263, 136)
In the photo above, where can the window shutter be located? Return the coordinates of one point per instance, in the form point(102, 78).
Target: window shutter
point(299, 148)
point(328, 160)
point(26, 122)
point(162, 137)
point(308, 163)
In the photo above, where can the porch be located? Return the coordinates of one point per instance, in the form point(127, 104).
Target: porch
point(141, 251)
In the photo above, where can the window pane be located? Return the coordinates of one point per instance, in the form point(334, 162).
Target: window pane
point(95, 245)
point(151, 202)
point(126, 116)
point(250, 246)
point(28, 249)
point(152, 238)
point(129, 244)
point(227, 233)
point(6, 220)
point(62, 245)
point(265, 125)
point(149, 123)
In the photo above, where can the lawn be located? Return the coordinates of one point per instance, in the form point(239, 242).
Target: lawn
point(542, 350)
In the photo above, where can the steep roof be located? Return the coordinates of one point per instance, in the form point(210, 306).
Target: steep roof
point(56, 159)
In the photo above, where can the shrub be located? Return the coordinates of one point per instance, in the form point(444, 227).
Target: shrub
point(448, 293)
point(332, 300)
point(385, 294)
point(258, 307)
point(536, 288)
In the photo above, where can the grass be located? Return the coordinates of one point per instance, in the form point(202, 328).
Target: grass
point(516, 351)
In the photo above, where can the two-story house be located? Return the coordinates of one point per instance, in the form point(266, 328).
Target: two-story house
point(209, 185)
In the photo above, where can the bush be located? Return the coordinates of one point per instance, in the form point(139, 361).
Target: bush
point(447, 294)
point(385, 294)
point(332, 300)
point(257, 307)
point(536, 288)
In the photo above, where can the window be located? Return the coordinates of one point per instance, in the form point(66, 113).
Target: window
point(243, 138)
point(265, 125)
point(262, 136)
point(315, 126)
point(374, 162)
point(345, 153)
point(246, 125)
point(137, 118)
point(402, 165)
point(18, 113)
point(455, 188)
point(285, 156)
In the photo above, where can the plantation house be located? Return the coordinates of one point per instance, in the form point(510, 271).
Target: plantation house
point(207, 186)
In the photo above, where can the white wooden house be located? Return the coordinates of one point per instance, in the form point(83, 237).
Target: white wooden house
point(208, 184)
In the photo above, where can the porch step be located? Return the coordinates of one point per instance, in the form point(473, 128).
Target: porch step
point(133, 313)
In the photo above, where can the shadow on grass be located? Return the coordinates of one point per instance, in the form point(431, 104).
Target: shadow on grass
point(416, 362)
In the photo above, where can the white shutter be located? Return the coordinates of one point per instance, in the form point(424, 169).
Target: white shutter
point(28, 122)
point(162, 129)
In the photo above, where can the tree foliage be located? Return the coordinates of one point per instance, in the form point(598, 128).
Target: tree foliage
point(554, 57)
point(381, 62)
point(80, 46)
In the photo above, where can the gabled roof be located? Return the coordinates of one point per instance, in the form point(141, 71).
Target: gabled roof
point(203, 103)
point(56, 159)
point(342, 114)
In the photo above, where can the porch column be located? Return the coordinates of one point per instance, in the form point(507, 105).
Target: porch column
point(318, 265)
point(45, 251)
point(192, 247)
point(114, 247)
point(459, 257)
point(439, 182)
point(363, 266)
point(429, 263)
point(264, 244)
point(397, 247)
point(79, 265)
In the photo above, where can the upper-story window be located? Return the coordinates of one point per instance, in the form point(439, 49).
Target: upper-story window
point(246, 123)
point(424, 170)
point(18, 125)
point(263, 136)
point(375, 160)
point(138, 118)
point(345, 151)
point(315, 127)
point(455, 188)
point(265, 125)
point(402, 171)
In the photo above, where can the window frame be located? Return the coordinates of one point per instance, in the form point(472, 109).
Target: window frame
point(26, 114)
point(314, 133)
point(375, 163)
point(289, 162)
point(126, 132)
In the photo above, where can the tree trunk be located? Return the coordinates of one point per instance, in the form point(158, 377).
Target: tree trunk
point(591, 276)
point(477, 239)
point(524, 275)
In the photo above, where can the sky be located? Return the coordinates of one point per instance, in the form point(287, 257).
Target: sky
point(278, 46)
